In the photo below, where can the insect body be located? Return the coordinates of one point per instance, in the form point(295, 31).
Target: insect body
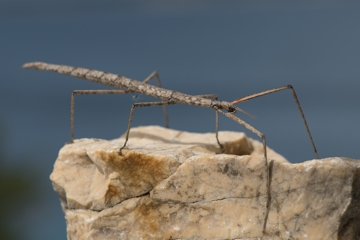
point(168, 97)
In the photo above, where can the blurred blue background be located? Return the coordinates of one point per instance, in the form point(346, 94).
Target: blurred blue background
point(231, 48)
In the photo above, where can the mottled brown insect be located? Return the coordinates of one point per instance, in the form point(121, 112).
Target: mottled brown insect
point(168, 97)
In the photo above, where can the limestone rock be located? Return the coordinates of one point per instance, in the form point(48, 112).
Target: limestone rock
point(175, 185)
point(90, 174)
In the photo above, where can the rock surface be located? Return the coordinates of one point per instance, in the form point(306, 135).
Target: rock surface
point(175, 185)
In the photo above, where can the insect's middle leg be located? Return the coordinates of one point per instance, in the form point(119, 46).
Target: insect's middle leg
point(83, 92)
point(214, 96)
point(142, 104)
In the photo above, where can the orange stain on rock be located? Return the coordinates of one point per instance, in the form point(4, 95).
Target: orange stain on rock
point(136, 172)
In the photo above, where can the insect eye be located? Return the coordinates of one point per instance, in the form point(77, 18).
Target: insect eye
point(231, 109)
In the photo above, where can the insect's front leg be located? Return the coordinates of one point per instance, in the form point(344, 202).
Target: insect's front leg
point(267, 168)
point(263, 93)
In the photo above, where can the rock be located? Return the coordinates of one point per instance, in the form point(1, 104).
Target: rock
point(90, 174)
point(175, 185)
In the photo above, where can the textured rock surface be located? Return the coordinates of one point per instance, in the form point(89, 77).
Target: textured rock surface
point(173, 185)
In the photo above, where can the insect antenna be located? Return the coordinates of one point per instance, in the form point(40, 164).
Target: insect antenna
point(243, 111)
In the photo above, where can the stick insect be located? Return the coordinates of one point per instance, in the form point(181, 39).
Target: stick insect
point(169, 97)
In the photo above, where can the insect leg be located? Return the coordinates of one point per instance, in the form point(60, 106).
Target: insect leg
point(255, 95)
point(83, 92)
point(156, 75)
point(262, 136)
point(142, 104)
point(214, 96)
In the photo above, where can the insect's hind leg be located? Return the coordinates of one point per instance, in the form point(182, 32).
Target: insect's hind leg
point(262, 136)
point(263, 93)
point(142, 104)
point(156, 75)
point(214, 96)
point(83, 92)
